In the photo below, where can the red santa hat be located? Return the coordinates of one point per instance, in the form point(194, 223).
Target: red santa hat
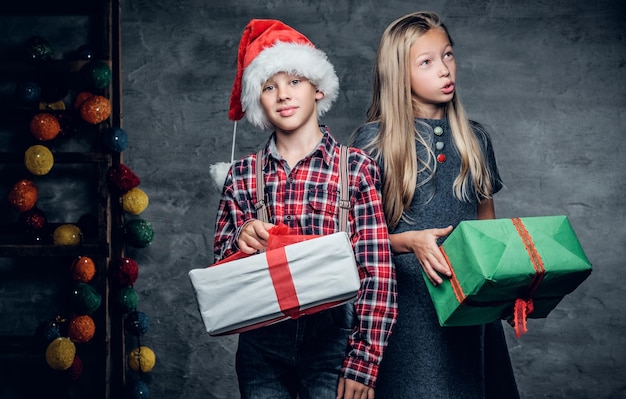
point(267, 47)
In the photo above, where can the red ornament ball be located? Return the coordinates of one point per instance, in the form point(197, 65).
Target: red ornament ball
point(95, 109)
point(124, 272)
point(33, 220)
point(76, 369)
point(121, 179)
point(83, 269)
point(23, 195)
point(44, 126)
point(81, 329)
point(80, 99)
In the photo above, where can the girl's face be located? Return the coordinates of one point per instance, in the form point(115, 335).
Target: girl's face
point(433, 72)
point(289, 102)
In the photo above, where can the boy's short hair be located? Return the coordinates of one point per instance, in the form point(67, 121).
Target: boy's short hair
point(268, 47)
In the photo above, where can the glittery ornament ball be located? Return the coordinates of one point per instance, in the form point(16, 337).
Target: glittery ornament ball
point(38, 159)
point(121, 178)
point(95, 109)
point(97, 74)
point(67, 234)
point(138, 390)
point(81, 329)
point(135, 201)
point(76, 369)
point(115, 139)
point(142, 358)
point(85, 299)
point(84, 52)
point(37, 49)
point(83, 269)
point(23, 195)
point(60, 353)
point(81, 97)
point(139, 233)
point(44, 126)
point(136, 323)
point(124, 272)
point(58, 105)
point(28, 92)
point(48, 331)
point(33, 220)
point(127, 299)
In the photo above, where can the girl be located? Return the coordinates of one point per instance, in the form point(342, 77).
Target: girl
point(438, 169)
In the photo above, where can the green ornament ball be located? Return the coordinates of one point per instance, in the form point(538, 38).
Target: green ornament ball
point(127, 299)
point(139, 233)
point(85, 299)
point(97, 74)
point(37, 49)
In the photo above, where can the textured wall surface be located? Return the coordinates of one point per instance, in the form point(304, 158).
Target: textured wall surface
point(548, 80)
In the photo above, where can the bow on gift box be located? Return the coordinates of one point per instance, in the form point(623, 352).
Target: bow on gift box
point(524, 306)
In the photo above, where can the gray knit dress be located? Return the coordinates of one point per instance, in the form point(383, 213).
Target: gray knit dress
point(424, 360)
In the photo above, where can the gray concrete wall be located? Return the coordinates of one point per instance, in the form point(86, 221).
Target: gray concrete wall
point(548, 79)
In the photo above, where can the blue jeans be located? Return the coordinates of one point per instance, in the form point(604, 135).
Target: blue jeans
point(298, 358)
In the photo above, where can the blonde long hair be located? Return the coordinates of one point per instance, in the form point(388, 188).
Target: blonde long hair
point(394, 109)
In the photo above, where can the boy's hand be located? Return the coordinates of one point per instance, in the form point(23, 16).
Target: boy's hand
point(254, 236)
point(350, 389)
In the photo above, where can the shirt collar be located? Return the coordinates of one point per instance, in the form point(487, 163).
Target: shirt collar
point(324, 148)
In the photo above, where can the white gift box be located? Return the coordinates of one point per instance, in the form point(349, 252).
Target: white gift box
point(272, 286)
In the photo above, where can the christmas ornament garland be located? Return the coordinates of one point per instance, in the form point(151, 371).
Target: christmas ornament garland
point(63, 335)
point(138, 233)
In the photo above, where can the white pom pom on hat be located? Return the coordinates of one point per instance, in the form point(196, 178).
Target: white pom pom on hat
point(268, 47)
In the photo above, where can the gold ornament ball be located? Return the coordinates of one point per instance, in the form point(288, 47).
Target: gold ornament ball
point(67, 234)
point(141, 358)
point(135, 201)
point(60, 353)
point(38, 159)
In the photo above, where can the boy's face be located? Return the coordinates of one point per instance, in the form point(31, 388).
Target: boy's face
point(289, 101)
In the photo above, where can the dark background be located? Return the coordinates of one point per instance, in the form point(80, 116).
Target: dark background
point(547, 79)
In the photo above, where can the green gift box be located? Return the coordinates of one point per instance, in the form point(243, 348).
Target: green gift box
point(508, 269)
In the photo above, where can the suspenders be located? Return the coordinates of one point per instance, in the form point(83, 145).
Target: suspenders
point(344, 200)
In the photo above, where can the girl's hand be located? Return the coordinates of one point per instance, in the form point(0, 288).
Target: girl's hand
point(254, 236)
point(423, 243)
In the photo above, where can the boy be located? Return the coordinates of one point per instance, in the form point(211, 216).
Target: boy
point(284, 83)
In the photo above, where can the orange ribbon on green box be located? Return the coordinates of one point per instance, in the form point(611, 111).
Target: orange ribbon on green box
point(510, 269)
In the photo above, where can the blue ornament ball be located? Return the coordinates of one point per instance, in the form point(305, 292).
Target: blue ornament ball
point(136, 323)
point(138, 390)
point(28, 93)
point(115, 139)
point(85, 52)
point(47, 332)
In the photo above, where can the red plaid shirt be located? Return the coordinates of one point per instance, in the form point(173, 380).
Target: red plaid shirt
point(305, 198)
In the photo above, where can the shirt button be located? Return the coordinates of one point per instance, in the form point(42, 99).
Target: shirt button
point(287, 217)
